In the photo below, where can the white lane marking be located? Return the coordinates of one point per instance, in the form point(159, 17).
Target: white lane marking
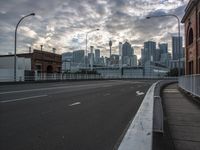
point(24, 98)
point(107, 94)
point(139, 93)
point(106, 86)
point(73, 104)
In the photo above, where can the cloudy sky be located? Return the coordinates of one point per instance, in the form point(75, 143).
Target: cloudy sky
point(62, 24)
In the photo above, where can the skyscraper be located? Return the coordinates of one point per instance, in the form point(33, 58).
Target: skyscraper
point(176, 46)
point(127, 50)
point(78, 56)
point(149, 51)
point(157, 55)
point(97, 56)
point(127, 53)
point(163, 48)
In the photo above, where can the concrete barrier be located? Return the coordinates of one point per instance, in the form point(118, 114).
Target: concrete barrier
point(147, 120)
point(139, 134)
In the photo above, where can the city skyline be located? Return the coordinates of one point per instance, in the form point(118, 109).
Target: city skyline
point(61, 24)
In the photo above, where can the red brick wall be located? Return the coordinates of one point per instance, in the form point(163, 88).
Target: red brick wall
point(193, 50)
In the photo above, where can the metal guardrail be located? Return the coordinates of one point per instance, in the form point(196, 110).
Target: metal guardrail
point(191, 84)
point(62, 76)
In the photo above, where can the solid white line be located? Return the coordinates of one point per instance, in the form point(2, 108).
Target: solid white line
point(24, 98)
point(77, 103)
point(139, 134)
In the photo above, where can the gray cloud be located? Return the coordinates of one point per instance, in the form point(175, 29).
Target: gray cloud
point(63, 23)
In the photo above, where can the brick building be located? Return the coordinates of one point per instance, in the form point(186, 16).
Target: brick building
point(191, 20)
point(44, 62)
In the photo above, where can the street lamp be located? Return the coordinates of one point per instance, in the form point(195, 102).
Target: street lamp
point(86, 44)
point(179, 35)
point(15, 67)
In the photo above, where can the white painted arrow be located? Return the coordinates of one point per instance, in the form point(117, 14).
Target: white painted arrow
point(139, 93)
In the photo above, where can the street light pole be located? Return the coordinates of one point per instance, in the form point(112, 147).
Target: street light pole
point(15, 48)
point(86, 46)
point(179, 36)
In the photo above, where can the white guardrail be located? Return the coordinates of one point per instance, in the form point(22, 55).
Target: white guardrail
point(191, 84)
point(139, 135)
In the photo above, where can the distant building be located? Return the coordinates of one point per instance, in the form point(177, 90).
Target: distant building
point(78, 57)
point(114, 60)
point(165, 58)
point(127, 53)
point(134, 62)
point(175, 47)
point(127, 50)
point(68, 56)
point(41, 62)
point(157, 55)
point(163, 48)
point(142, 59)
point(91, 58)
point(97, 56)
point(191, 20)
point(149, 51)
point(67, 59)
point(120, 54)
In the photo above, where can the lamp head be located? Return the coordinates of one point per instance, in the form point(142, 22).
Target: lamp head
point(32, 14)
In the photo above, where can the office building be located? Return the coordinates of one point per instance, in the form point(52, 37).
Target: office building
point(175, 47)
point(149, 51)
point(97, 56)
point(127, 53)
point(78, 57)
point(163, 48)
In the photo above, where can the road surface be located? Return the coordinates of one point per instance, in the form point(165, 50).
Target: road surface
point(81, 115)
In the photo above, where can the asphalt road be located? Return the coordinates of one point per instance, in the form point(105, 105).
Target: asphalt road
point(82, 115)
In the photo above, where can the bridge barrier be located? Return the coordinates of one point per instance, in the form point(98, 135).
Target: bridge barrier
point(191, 84)
point(148, 119)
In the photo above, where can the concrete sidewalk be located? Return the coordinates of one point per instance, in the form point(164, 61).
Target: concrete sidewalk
point(182, 115)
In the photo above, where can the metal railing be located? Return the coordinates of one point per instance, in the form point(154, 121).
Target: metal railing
point(63, 76)
point(191, 84)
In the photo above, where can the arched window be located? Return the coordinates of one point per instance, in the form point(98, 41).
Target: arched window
point(190, 36)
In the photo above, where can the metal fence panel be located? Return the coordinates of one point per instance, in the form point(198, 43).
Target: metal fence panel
point(191, 84)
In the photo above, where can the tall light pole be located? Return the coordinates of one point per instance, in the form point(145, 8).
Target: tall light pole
point(110, 45)
point(179, 35)
point(86, 45)
point(15, 55)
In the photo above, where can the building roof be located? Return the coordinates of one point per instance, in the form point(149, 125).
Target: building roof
point(189, 8)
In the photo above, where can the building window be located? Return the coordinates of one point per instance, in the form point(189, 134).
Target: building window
point(190, 36)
